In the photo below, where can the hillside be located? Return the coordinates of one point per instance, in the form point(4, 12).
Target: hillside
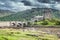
point(5, 13)
point(28, 14)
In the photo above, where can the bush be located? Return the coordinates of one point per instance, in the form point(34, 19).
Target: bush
point(44, 23)
point(57, 23)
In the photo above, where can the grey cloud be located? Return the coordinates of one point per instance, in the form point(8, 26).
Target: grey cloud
point(27, 3)
point(19, 5)
point(44, 1)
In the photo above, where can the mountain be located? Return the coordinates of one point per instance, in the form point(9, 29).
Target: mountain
point(5, 13)
point(28, 14)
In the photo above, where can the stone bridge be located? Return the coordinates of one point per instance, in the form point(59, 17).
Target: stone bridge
point(12, 24)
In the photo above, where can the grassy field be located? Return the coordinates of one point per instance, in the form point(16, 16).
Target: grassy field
point(18, 34)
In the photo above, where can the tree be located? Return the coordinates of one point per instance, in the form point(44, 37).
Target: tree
point(57, 23)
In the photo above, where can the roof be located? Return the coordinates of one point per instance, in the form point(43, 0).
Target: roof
point(38, 16)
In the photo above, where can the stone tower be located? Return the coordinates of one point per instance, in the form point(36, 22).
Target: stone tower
point(47, 13)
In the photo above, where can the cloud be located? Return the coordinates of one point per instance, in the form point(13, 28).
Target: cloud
point(20, 5)
point(13, 5)
point(57, 6)
point(1, 3)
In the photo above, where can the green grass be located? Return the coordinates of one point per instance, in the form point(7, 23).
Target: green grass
point(13, 34)
point(48, 22)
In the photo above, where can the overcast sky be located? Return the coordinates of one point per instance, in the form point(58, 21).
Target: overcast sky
point(19, 5)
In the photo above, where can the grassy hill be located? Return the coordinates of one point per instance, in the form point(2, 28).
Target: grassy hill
point(28, 14)
point(13, 34)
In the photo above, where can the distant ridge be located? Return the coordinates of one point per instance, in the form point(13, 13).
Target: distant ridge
point(5, 13)
point(28, 14)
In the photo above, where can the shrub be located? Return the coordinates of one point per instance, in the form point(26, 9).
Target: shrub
point(44, 22)
point(57, 23)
